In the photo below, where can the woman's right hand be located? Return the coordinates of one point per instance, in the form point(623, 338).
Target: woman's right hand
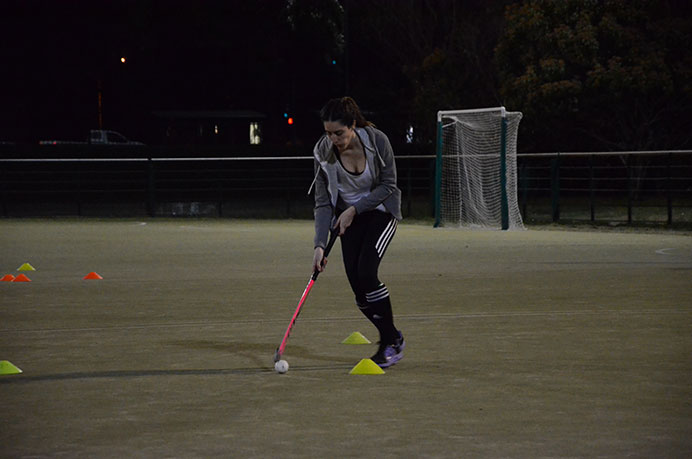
point(319, 262)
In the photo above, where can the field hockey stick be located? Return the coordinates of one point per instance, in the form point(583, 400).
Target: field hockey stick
point(280, 350)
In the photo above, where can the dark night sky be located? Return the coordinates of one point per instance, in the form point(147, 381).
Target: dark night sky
point(242, 55)
point(180, 55)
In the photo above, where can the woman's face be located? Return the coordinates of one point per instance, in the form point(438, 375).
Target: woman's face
point(340, 135)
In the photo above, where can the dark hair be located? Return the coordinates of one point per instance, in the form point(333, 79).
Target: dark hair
point(344, 110)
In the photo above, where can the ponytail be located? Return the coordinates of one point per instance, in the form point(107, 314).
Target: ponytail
point(344, 110)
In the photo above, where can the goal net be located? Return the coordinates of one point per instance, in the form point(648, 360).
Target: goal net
point(476, 176)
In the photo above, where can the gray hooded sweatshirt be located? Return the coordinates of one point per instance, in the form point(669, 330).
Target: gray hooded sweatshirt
point(384, 190)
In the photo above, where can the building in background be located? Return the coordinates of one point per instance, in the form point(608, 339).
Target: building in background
point(210, 127)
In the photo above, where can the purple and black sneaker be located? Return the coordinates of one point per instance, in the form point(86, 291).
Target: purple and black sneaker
point(389, 354)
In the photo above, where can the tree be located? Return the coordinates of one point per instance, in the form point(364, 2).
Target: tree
point(432, 55)
point(604, 75)
point(315, 41)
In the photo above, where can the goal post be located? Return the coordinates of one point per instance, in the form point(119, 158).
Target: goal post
point(476, 169)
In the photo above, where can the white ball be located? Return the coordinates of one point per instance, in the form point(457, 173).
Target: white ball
point(281, 366)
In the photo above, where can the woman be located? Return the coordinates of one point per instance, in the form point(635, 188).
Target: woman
point(356, 194)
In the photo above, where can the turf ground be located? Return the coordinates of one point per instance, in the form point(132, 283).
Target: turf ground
point(542, 343)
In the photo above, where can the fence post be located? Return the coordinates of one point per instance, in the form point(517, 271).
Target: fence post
point(3, 175)
point(409, 189)
point(591, 189)
point(629, 189)
point(669, 183)
point(219, 204)
point(524, 185)
point(79, 193)
point(151, 189)
point(432, 188)
point(288, 197)
point(555, 187)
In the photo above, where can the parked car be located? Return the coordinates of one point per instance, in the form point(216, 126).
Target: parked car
point(96, 137)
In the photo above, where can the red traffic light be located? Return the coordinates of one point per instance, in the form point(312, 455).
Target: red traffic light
point(290, 121)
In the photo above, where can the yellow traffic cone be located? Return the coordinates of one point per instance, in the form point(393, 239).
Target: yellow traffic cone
point(366, 367)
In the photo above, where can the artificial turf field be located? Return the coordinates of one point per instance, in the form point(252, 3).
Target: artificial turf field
point(539, 343)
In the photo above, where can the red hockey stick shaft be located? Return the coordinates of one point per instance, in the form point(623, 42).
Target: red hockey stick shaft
point(280, 350)
point(282, 347)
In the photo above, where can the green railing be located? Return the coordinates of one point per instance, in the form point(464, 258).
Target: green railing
point(595, 187)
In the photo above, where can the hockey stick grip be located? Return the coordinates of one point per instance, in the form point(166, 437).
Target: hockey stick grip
point(333, 235)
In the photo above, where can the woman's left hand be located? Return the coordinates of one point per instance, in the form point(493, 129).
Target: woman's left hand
point(345, 220)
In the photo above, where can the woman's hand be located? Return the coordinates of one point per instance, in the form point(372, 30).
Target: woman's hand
point(345, 220)
point(319, 262)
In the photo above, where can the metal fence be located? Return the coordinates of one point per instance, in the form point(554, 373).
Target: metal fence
point(613, 187)
point(265, 187)
point(623, 187)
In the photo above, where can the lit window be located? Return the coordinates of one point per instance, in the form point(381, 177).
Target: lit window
point(255, 134)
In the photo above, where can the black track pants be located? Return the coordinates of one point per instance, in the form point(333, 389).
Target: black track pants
point(363, 245)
